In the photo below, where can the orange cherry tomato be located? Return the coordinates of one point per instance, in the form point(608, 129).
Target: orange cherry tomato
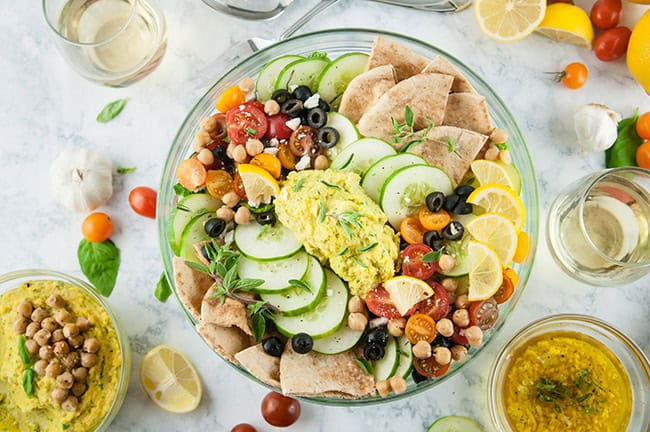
point(420, 327)
point(269, 163)
point(505, 291)
point(643, 126)
point(643, 155)
point(512, 275)
point(523, 244)
point(574, 75)
point(191, 174)
point(411, 230)
point(433, 221)
point(218, 183)
point(97, 227)
point(287, 159)
point(230, 98)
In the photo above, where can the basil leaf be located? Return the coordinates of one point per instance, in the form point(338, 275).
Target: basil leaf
point(623, 151)
point(100, 263)
point(431, 257)
point(22, 351)
point(365, 365)
point(111, 110)
point(258, 325)
point(28, 381)
point(163, 290)
point(122, 170)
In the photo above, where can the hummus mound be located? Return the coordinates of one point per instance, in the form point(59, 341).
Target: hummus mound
point(314, 206)
point(19, 412)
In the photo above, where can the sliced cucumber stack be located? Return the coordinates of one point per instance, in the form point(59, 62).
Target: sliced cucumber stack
point(182, 214)
point(194, 233)
point(276, 274)
point(265, 242)
point(455, 424)
point(348, 132)
point(301, 72)
point(376, 175)
point(343, 340)
point(337, 75)
point(406, 189)
point(405, 362)
point(359, 155)
point(386, 367)
point(265, 84)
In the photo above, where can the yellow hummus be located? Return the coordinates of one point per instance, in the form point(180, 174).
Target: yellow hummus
point(597, 390)
point(19, 412)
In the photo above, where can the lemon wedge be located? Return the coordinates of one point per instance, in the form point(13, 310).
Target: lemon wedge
point(495, 198)
point(170, 380)
point(487, 172)
point(485, 272)
point(509, 20)
point(564, 22)
point(259, 184)
point(497, 232)
point(406, 291)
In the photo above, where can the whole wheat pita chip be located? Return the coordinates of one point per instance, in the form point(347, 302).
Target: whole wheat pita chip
point(229, 313)
point(262, 366)
point(444, 66)
point(468, 111)
point(191, 286)
point(365, 89)
point(425, 94)
point(405, 61)
point(227, 341)
point(315, 374)
point(465, 146)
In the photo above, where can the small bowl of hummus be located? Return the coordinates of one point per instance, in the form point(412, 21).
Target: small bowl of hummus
point(570, 372)
point(65, 358)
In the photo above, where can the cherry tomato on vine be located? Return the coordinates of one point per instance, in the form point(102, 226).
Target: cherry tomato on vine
point(612, 43)
point(573, 76)
point(643, 155)
point(97, 227)
point(279, 410)
point(143, 201)
point(606, 14)
point(643, 126)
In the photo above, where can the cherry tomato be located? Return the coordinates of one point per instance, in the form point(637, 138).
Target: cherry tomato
point(505, 291)
point(412, 264)
point(143, 201)
point(429, 367)
point(279, 410)
point(436, 306)
point(378, 302)
point(230, 98)
point(278, 127)
point(287, 159)
point(304, 141)
point(411, 230)
point(269, 162)
point(643, 126)
point(255, 104)
point(245, 122)
point(243, 427)
point(459, 336)
point(218, 183)
point(483, 313)
point(643, 155)
point(420, 327)
point(191, 174)
point(612, 43)
point(523, 244)
point(574, 75)
point(433, 221)
point(606, 14)
point(97, 227)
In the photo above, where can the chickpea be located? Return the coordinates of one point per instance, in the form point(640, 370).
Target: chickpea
point(492, 153)
point(49, 324)
point(38, 315)
point(230, 149)
point(208, 124)
point(63, 317)
point(458, 352)
point(53, 369)
point(442, 355)
point(202, 139)
point(79, 388)
point(474, 336)
point(88, 360)
point(396, 326)
point(422, 350)
point(398, 384)
point(46, 352)
point(446, 263)
point(71, 359)
point(242, 216)
point(357, 321)
point(40, 366)
point(383, 388)
point(239, 154)
point(80, 373)
point(32, 328)
point(461, 317)
point(505, 157)
point(20, 325)
point(70, 404)
point(83, 323)
point(70, 330)
point(254, 146)
point(57, 335)
point(356, 304)
point(32, 346)
point(246, 84)
point(61, 348)
point(498, 136)
point(206, 157)
point(230, 199)
point(462, 301)
point(445, 327)
point(76, 341)
point(42, 337)
point(59, 395)
point(65, 380)
point(25, 309)
point(55, 301)
point(449, 284)
point(271, 107)
point(321, 162)
point(225, 213)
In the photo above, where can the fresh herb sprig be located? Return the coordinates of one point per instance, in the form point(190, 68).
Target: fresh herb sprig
point(404, 133)
point(349, 220)
point(585, 394)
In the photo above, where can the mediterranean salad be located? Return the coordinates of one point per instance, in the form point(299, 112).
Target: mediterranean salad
point(346, 227)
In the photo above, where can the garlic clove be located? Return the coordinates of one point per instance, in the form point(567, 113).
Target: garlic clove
point(596, 127)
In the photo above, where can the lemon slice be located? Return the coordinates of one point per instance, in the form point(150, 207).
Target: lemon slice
point(494, 198)
point(497, 232)
point(259, 184)
point(564, 22)
point(487, 172)
point(406, 291)
point(485, 272)
point(170, 380)
point(509, 20)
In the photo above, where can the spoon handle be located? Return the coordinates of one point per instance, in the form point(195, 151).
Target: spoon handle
point(311, 13)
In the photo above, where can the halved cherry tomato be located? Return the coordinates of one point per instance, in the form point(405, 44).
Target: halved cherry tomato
point(512, 275)
point(255, 104)
point(245, 122)
point(505, 291)
point(433, 221)
point(269, 162)
point(606, 14)
point(420, 327)
point(278, 127)
point(304, 141)
point(230, 98)
point(191, 174)
point(412, 264)
point(643, 126)
point(523, 244)
point(218, 183)
point(643, 155)
point(143, 201)
point(238, 186)
point(97, 227)
point(411, 230)
point(378, 302)
point(429, 367)
point(459, 336)
point(483, 313)
point(612, 43)
point(436, 306)
point(287, 159)
point(574, 75)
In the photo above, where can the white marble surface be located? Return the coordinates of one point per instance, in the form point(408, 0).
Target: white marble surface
point(46, 107)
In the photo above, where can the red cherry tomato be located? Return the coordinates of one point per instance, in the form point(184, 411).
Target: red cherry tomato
point(279, 410)
point(244, 122)
point(143, 201)
point(436, 306)
point(255, 104)
point(238, 186)
point(412, 264)
point(606, 14)
point(643, 126)
point(459, 336)
point(278, 127)
point(378, 302)
point(505, 291)
point(612, 43)
point(243, 427)
point(429, 367)
point(483, 313)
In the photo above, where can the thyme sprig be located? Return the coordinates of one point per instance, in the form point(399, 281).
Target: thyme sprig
point(403, 133)
point(348, 220)
point(583, 393)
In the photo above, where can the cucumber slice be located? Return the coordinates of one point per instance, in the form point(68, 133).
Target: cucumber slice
point(298, 301)
point(343, 340)
point(265, 84)
point(405, 362)
point(276, 274)
point(348, 132)
point(359, 155)
point(301, 72)
point(194, 233)
point(325, 319)
point(265, 242)
point(375, 176)
point(405, 190)
point(458, 249)
point(182, 214)
point(337, 75)
point(455, 424)
point(386, 367)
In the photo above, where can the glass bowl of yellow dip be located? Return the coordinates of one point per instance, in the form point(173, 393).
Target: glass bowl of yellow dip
point(107, 381)
point(570, 372)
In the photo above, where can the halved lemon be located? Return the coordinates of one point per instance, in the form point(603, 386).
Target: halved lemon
point(564, 22)
point(496, 232)
point(485, 272)
point(509, 20)
point(495, 198)
point(406, 291)
point(170, 380)
point(487, 172)
point(259, 184)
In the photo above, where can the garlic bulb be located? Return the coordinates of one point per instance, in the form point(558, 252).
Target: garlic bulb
point(81, 179)
point(596, 127)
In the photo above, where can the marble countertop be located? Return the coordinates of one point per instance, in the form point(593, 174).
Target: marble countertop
point(46, 107)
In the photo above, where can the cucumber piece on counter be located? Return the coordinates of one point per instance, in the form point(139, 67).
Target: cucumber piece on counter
point(276, 274)
point(301, 72)
point(406, 189)
point(182, 214)
point(337, 75)
point(265, 84)
point(359, 155)
point(405, 361)
point(348, 132)
point(194, 233)
point(343, 340)
point(387, 365)
point(324, 320)
point(265, 242)
point(458, 249)
point(455, 424)
point(376, 175)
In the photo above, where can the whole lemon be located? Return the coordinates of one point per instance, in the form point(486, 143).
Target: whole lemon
point(638, 52)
